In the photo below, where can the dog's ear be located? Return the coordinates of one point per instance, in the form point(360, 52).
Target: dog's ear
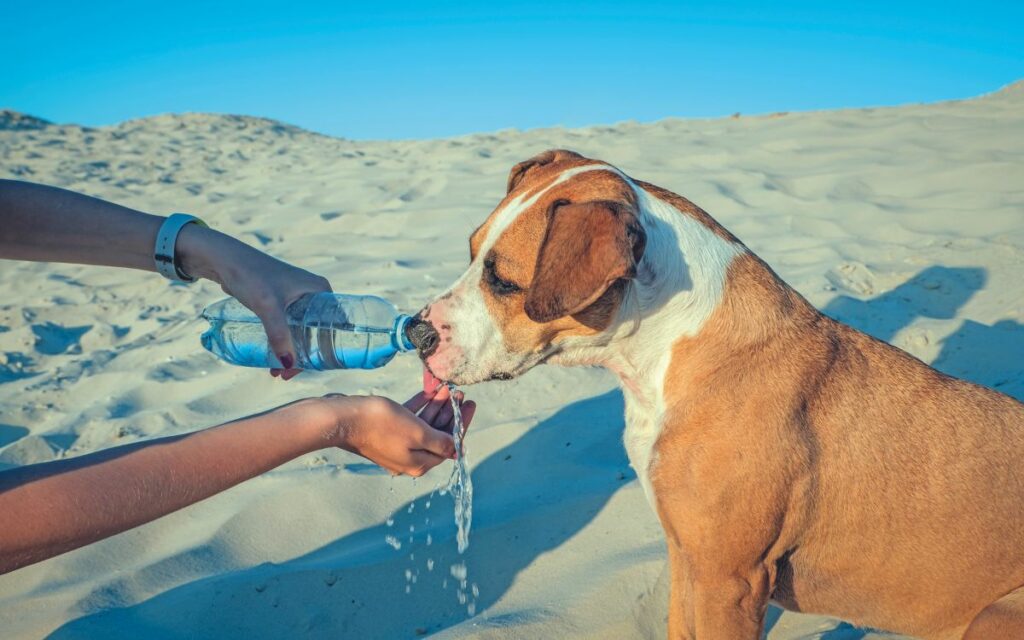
point(586, 248)
point(553, 155)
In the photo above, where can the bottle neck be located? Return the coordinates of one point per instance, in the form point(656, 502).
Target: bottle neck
point(400, 339)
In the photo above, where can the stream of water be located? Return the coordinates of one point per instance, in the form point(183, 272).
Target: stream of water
point(460, 484)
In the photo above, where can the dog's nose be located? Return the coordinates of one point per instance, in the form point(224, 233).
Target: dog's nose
point(422, 335)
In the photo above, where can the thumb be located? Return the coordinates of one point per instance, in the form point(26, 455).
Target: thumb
point(275, 323)
point(438, 442)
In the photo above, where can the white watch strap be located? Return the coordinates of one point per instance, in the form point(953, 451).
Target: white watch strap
point(164, 256)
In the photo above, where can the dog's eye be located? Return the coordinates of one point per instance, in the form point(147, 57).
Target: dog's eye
point(497, 285)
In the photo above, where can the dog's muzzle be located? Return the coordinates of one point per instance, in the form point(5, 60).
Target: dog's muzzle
point(423, 336)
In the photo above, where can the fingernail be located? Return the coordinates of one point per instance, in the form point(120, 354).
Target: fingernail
point(287, 361)
point(275, 372)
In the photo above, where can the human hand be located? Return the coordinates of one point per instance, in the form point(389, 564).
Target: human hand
point(262, 283)
point(393, 435)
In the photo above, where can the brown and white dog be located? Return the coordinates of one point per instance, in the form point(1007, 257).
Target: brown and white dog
point(789, 457)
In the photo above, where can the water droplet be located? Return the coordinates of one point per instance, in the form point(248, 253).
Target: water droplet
point(458, 571)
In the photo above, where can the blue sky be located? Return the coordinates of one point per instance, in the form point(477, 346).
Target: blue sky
point(429, 69)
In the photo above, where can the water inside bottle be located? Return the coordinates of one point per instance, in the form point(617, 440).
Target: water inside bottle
point(237, 336)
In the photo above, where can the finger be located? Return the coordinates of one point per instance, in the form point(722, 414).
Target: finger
point(434, 406)
point(445, 418)
point(288, 374)
point(276, 325)
point(423, 461)
point(419, 401)
point(468, 411)
point(276, 372)
point(439, 443)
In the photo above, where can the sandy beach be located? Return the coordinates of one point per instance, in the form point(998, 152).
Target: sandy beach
point(906, 222)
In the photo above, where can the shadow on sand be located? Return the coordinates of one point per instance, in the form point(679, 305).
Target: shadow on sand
point(554, 480)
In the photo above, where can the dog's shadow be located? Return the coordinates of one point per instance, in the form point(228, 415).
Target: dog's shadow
point(540, 491)
point(989, 355)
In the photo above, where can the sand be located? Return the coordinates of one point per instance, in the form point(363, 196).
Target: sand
point(906, 222)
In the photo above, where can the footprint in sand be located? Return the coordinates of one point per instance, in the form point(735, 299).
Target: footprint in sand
point(53, 339)
point(855, 277)
point(9, 433)
point(15, 365)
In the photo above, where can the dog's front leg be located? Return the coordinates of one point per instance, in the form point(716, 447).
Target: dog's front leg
point(715, 593)
point(680, 598)
point(730, 604)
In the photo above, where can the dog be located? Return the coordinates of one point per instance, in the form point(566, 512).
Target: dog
point(789, 457)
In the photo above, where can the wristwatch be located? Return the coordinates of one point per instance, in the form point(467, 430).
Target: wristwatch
point(164, 255)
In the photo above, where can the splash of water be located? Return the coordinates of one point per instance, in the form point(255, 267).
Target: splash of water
point(460, 486)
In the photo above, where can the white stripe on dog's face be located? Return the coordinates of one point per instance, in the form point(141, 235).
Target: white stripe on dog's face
point(508, 214)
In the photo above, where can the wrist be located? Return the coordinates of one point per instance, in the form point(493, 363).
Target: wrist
point(324, 422)
point(201, 251)
point(308, 426)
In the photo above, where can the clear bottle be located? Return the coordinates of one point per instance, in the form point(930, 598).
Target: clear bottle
point(329, 330)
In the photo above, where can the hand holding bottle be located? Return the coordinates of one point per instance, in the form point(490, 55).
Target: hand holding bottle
point(265, 285)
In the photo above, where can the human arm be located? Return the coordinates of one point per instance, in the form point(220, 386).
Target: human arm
point(43, 223)
point(53, 507)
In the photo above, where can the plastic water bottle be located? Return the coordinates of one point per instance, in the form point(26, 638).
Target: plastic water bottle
point(329, 330)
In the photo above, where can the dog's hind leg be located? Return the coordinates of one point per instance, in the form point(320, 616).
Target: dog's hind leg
point(1001, 620)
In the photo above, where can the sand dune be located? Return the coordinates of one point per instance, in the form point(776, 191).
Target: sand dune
point(905, 222)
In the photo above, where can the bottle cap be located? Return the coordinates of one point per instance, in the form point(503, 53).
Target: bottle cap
point(400, 339)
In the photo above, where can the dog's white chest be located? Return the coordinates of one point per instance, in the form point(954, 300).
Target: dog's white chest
point(643, 425)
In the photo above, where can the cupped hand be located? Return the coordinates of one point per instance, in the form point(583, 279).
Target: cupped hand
point(262, 283)
point(409, 438)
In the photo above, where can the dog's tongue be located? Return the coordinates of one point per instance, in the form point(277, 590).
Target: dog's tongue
point(429, 381)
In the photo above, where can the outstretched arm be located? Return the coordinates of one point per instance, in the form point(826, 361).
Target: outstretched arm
point(54, 507)
point(43, 223)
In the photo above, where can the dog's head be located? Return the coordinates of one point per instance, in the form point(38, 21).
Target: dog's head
point(548, 267)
